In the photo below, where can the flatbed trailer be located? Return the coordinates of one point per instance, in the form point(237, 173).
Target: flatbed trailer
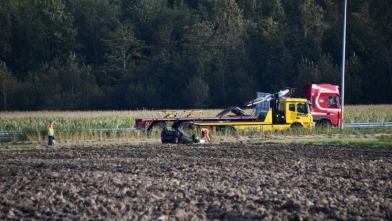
point(146, 124)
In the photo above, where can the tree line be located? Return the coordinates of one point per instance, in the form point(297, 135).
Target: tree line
point(130, 54)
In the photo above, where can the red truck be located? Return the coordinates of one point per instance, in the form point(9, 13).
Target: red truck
point(325, 110)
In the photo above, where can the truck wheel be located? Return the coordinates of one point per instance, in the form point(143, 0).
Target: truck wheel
point(229, 128)
point(296, 126)
point(160, 126)
point(325, 124)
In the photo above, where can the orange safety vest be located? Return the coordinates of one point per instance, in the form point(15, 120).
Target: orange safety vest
point(204, 130)
point(50, 128)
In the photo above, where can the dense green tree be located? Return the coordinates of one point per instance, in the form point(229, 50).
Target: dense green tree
point(94, 21)
point(197, 93)
point(317, 73)
point(139, 96)
point(312, 18)
point(201, 46)
point(66, 85)
point(128, 54)
point(5, 33)
point(7, 87)
point(41, 30)
point(27, 37)
point(59, 33)
point(124, 48)
point(231, 29)
point(244, 89)
point(353, 90)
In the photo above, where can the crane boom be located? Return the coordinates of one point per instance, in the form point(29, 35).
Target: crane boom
point(266, 98)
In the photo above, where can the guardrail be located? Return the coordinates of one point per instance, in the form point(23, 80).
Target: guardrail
point(383, 124)
point(5, 133)
point(346, 125)
point(21, 132)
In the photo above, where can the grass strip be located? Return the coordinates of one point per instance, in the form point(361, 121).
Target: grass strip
point(12, 147)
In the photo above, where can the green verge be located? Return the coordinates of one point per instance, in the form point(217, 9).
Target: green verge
point(363, 142)
point(362, 130)
point(24, 146)
point(383, 134)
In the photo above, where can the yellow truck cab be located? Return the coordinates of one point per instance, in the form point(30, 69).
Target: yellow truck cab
point(284, 113)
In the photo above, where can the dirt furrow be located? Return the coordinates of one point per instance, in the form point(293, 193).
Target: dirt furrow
point(197, 182)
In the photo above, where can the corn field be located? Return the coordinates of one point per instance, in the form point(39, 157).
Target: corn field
point(367, 113)
point(79, 120)
point(82, 125)
point(85, 125)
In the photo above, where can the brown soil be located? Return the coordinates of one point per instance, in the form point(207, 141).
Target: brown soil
point(266, 138)
point(233, 181)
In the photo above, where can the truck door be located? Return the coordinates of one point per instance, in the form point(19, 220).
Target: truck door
point(302, 111)
point(322, 100)
point(333, 108)
point(291, 113)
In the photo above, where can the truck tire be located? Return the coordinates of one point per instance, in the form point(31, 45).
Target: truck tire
point(296, 126)
point(160, 126)
point(229, 128)
point(325, 124)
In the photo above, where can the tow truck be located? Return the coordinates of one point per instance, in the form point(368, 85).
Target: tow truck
point(324, 108)
point(285, 112)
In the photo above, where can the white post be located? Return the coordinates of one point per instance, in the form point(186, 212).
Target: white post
point(343, 64)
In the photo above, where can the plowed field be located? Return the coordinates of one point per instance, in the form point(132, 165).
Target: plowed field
point(197, 182)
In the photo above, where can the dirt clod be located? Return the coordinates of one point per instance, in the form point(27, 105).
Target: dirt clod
point(229, 181)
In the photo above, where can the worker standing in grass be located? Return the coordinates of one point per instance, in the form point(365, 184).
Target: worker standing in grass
point(205, 132)
point(50, 133)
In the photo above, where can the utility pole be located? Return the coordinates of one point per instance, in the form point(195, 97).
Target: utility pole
point(343, 64)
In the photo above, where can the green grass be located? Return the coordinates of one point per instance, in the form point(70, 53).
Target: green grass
point(248, 137)
point(362, 130)
point(384, 138)
point(383, 141)
point(80, 135)
point(25, 146)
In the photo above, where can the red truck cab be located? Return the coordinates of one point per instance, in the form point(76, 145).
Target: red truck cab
point(325, 108)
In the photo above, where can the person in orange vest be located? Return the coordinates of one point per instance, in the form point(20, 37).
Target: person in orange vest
point(205, 132)
point(51, 134)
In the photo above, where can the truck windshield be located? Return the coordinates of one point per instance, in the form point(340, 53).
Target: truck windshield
point(332, 101)
point(302, 108)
